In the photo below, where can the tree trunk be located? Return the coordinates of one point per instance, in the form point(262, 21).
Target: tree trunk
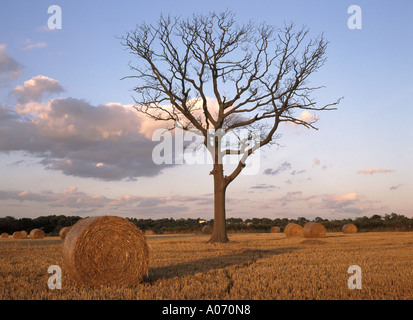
point(219, 233)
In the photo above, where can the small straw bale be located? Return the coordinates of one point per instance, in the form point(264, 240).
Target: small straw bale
point(314, 230)
point(63, 232)
point(207, 230)
point(36, 234)
point(19, 235)
point(275, 229)
point(293, 230)
point(349, 228)
point(4, 235)
point(149, 232)
point(105, 250)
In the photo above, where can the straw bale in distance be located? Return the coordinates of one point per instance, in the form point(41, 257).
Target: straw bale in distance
point(4, 235)
point(293, 230)
point(19, 235)
point(275, 229)
point(314, 230)
point(105, 250)
point(207, 229)
point(149, 232)
point(63, 232)
point(37, 234)
point(349, 228)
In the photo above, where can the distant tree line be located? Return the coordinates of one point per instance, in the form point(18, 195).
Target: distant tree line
point(51, 225)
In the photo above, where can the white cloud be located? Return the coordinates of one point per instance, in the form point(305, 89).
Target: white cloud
point(36, 45)
point(71, 136)
point(36, 88)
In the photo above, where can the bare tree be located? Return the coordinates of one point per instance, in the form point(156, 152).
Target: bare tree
point(256, 73)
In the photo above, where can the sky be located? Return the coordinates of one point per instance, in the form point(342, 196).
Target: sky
point(71, 143)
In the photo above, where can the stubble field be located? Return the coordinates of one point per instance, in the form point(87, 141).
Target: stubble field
point(250, 267)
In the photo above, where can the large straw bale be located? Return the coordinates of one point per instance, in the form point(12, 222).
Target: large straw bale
point(37, 234)
point(293, 230)
point(314, 230)
point(207, 229)
point(105, 250)
point(63, 232)
point(19, 235)
point(275, 229)
point(349, 228)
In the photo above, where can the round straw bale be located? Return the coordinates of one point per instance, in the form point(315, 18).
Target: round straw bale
point(105, 250)
point(149, 232)
point(4, 235)
point(275, 229)
point(19, 235)
point(293, 230)
point(349, 228)
point(207, 229)
point(36, 234)
point(63, 232)
point(314, 230)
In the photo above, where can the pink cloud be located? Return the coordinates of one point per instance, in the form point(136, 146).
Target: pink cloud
point(374, 171)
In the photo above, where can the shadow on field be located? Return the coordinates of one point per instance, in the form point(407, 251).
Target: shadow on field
point(244, 259)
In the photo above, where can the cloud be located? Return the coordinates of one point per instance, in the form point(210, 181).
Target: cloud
point(10, 69)
point(290, 196)
point(284, 166)
point(36, 88)
point(36, 45)
point(307, 117)
point(351, 202)
point(264, 186)
point(84, 203)
point(374, 171)
point(45, 28)
point(294, 172)
point(74, 137)
point(69, 198)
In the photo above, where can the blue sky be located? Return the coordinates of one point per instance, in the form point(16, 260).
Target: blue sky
point(358, 162)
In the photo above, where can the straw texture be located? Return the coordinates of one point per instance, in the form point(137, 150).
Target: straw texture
point(293, 230)
point(349, 228)
point(275, 229)
point(314, 230)
point(63, 232)
point(105, 250)
point(19, 235)
point(37, 234)
point(207, 230)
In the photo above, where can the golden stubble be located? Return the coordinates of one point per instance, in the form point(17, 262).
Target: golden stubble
point(264, 266)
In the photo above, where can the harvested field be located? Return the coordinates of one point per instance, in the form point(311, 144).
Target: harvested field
point(251, 266)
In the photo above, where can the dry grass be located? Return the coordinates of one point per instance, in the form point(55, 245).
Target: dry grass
point(250, 266)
